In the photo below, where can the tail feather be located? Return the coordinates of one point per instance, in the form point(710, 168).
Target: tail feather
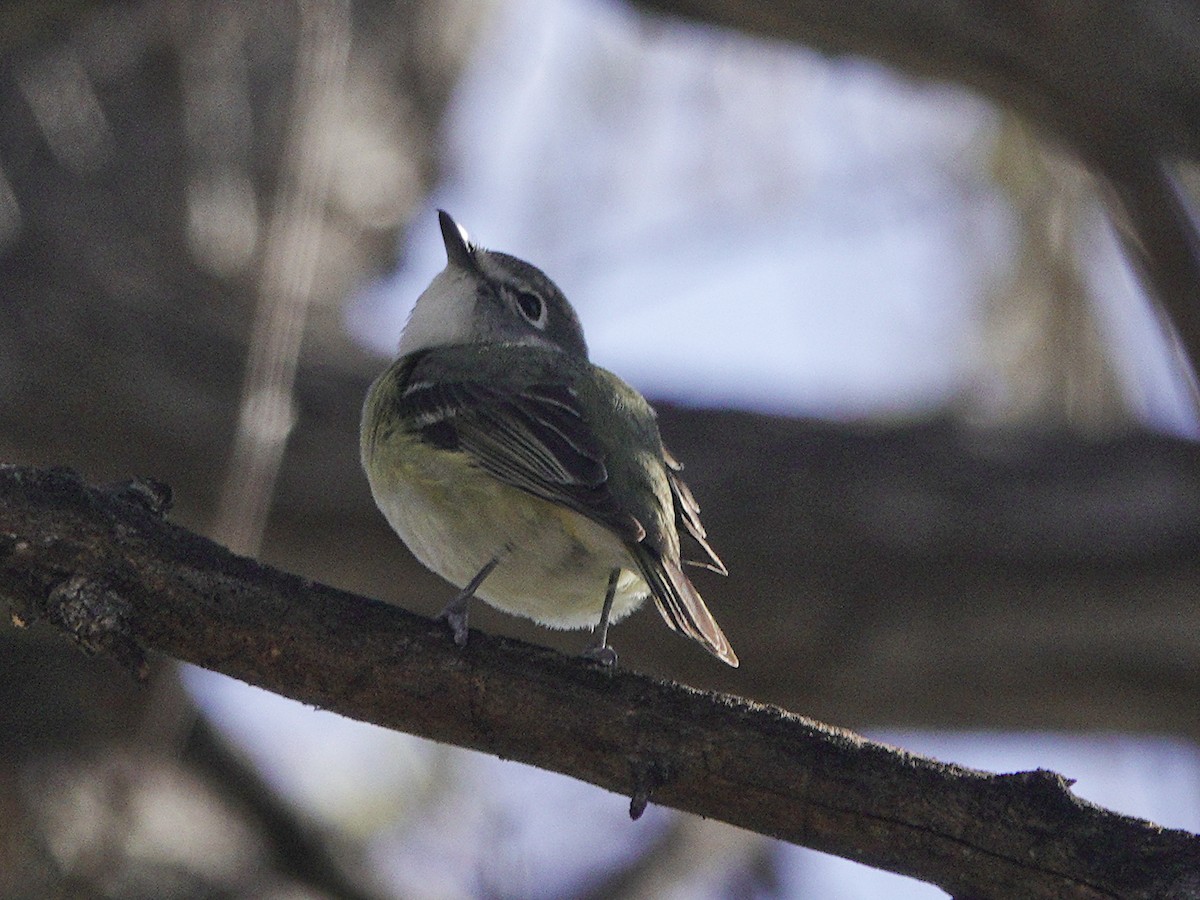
point(681, 605)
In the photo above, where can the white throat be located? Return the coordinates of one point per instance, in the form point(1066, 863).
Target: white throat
point(443, 314)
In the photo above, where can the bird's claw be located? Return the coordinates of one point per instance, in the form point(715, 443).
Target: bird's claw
point(457, 622)
point(601, 654)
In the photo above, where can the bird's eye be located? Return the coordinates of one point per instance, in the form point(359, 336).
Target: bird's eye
point(532, 308)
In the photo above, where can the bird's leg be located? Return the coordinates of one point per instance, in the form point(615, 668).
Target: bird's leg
point(599, 651)
point(455, 612)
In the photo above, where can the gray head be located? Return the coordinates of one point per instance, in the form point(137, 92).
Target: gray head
point(484, 296)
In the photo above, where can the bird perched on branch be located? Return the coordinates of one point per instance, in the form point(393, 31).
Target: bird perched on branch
point(520, 472)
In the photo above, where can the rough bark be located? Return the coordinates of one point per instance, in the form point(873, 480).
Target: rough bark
point(105, 567)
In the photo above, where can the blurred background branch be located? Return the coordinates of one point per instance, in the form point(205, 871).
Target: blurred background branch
point(285, 286)
point(1114, 82)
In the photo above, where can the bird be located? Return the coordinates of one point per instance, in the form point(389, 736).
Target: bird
point(522, 473)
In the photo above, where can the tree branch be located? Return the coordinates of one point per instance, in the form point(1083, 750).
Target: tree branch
point(103, 565)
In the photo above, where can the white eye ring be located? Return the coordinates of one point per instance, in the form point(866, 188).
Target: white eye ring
point(531, 307)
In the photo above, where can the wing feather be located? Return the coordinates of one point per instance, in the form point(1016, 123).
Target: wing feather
point(537, 441)
point(687, 517)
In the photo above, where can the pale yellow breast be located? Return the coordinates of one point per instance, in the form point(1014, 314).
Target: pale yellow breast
point(554, 563)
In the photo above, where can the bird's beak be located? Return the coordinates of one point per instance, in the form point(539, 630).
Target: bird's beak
point(459, 251)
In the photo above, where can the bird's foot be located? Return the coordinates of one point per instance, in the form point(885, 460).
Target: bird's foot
point(602, 655)
point(455, 616)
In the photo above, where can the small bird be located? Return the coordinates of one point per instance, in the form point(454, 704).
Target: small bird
point(520, 472)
